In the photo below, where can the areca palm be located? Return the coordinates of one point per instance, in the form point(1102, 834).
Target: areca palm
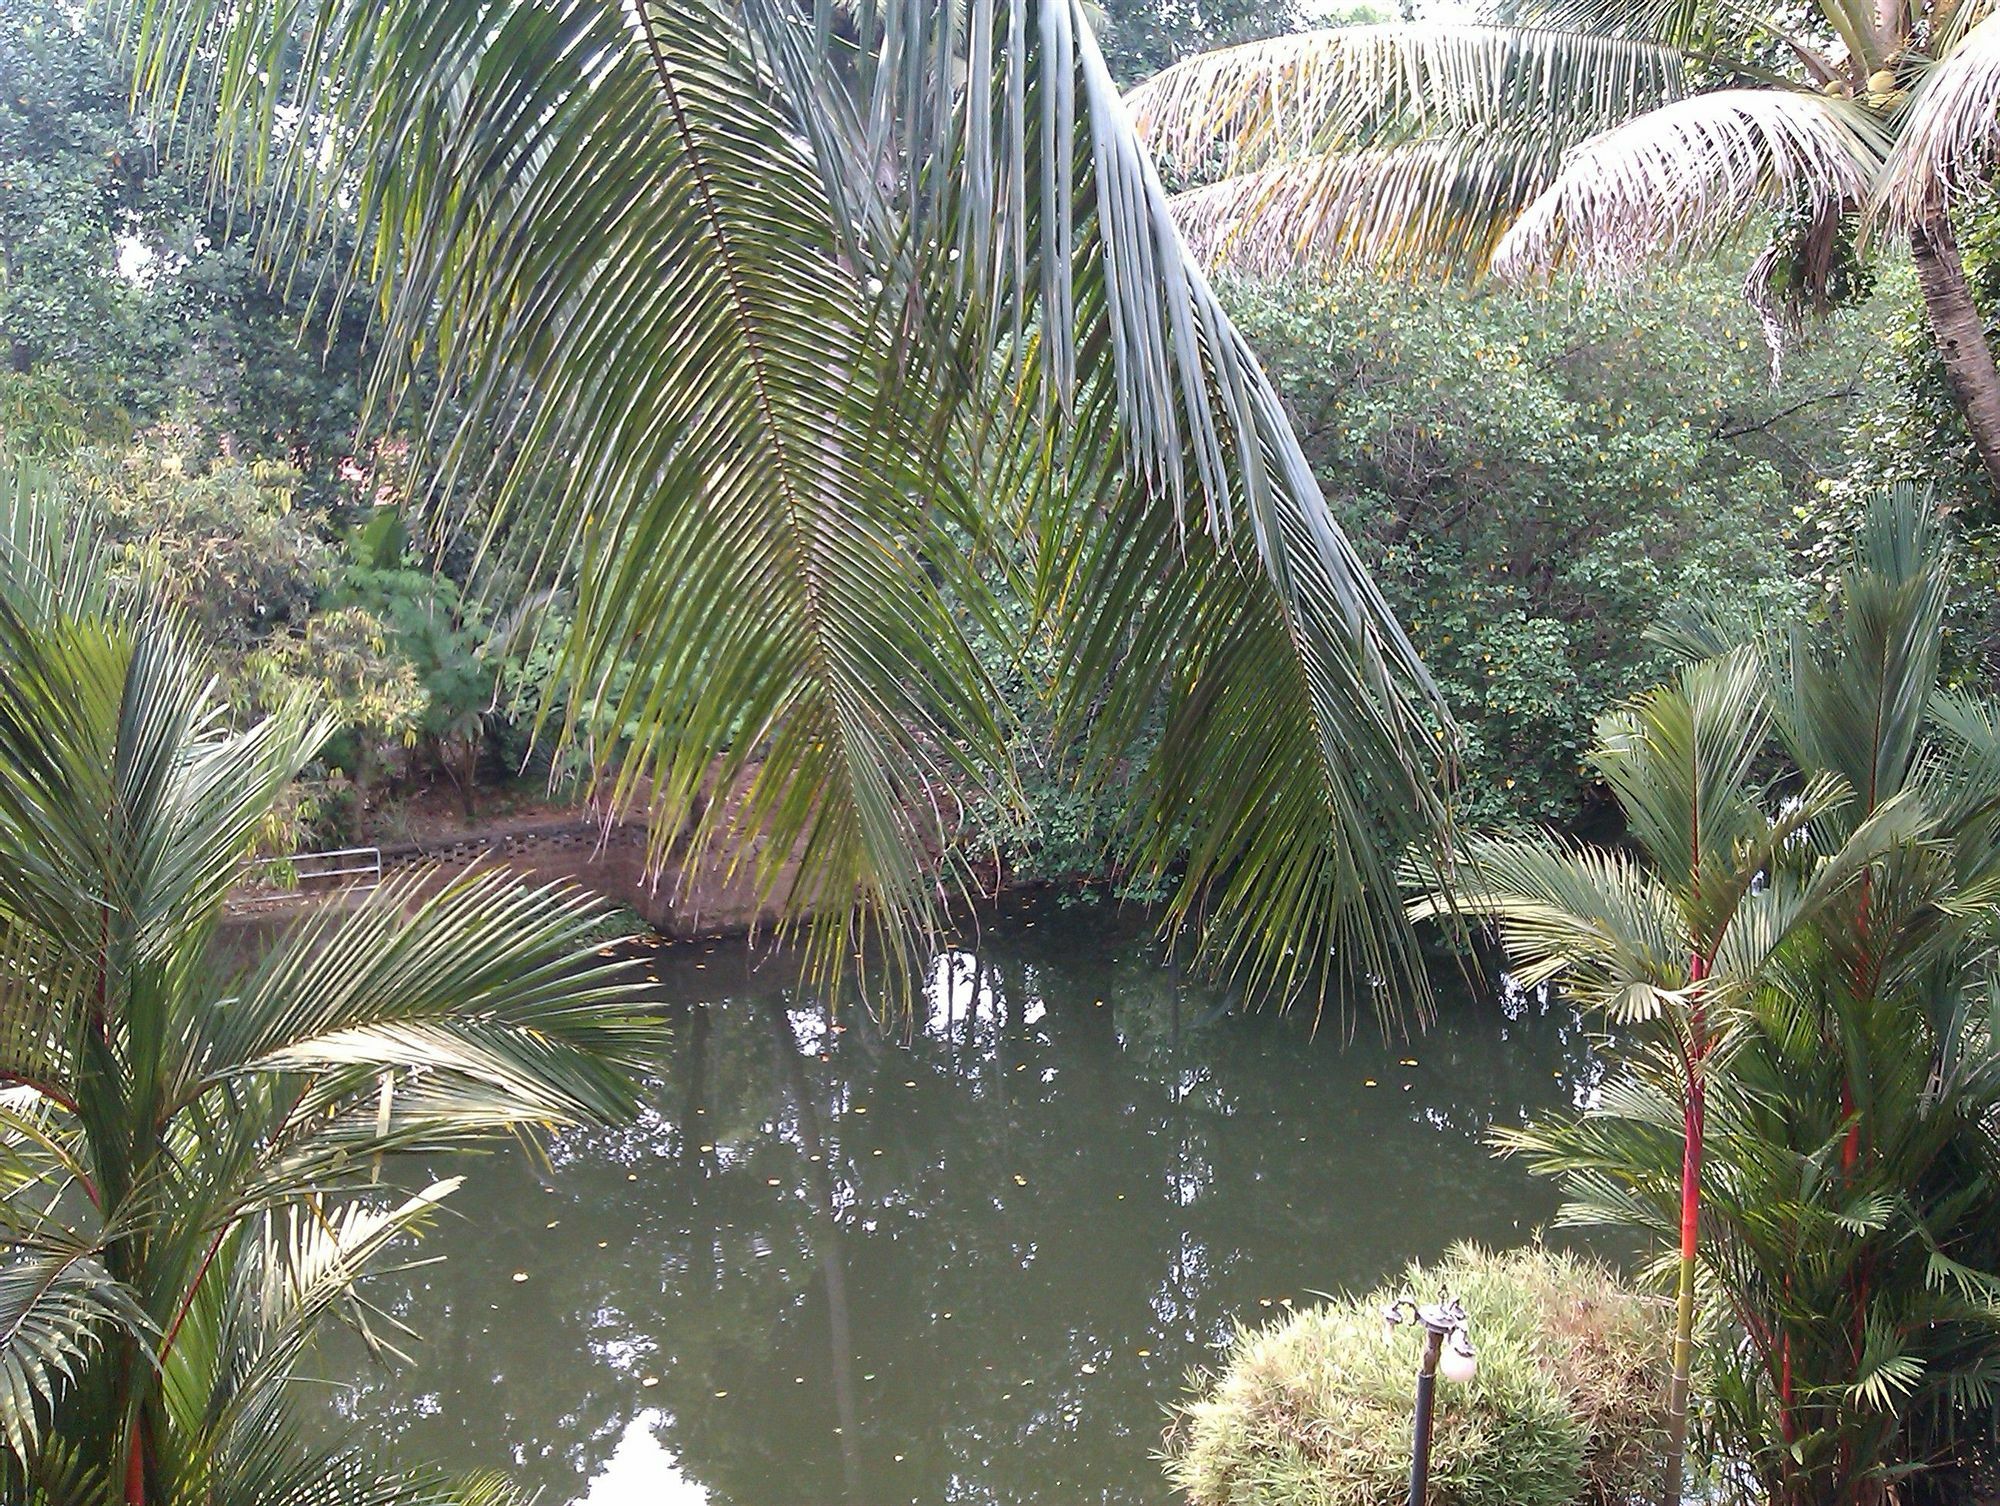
point(189, 1154)
point(774, 306)
point(1851, 1214)
point(1584, 140)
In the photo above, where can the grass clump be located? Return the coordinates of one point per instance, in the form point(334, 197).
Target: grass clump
point(1315, 1410)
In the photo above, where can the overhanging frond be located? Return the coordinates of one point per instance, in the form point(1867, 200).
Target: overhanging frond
point(1414, 145)
point(1243, 108)
point(1443, 200)
point(1950, 136)
point(1685, 178)
point(761, 309)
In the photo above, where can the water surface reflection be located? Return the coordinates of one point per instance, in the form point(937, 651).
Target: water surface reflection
point(964, 1260)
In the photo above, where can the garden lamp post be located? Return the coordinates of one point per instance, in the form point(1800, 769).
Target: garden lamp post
point(1447, 1348)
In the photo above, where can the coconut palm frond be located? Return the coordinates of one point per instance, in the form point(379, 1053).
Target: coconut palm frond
point(1408, 145)
point(1444, 200)
point(1709, 29)
point(1685, 178)
point(605, 225)
point(1183, 555)
point(736, 289)
point(1242, 108)
point(1949, 140)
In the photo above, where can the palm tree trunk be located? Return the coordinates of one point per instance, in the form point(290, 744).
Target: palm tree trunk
point(1694, 1112)
point(1959, 331)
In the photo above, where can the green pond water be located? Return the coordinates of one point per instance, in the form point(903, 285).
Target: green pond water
point(971, 1258)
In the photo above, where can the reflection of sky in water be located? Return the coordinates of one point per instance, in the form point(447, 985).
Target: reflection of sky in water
point(641, 1472)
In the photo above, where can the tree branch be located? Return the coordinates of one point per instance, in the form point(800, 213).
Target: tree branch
point(1784, 413)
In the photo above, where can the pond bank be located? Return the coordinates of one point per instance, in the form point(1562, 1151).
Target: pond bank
point(683, 900)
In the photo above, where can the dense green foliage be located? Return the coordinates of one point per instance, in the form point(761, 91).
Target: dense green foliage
point(1534, 480)
point(1140, 37)
point(205, 416)
point(1314, 1410)
point(130, 295)
point(1530, 479)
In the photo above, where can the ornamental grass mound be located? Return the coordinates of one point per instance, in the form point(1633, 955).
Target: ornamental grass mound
point(1568, 1405)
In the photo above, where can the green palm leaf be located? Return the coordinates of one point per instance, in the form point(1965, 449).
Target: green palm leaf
point(839, 299)
point(191, 1166)
point(477, 977)
point(57, 1312)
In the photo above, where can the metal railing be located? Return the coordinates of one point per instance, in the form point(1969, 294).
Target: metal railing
point(269, 880)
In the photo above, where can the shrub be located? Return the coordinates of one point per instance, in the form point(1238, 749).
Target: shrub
point(1316, 1410)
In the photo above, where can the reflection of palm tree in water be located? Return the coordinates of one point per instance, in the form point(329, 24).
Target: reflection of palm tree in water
point(1016, 1228)
point(825, 1234)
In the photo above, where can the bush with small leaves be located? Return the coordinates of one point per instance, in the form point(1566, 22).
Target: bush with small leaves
point(1315, 1410)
